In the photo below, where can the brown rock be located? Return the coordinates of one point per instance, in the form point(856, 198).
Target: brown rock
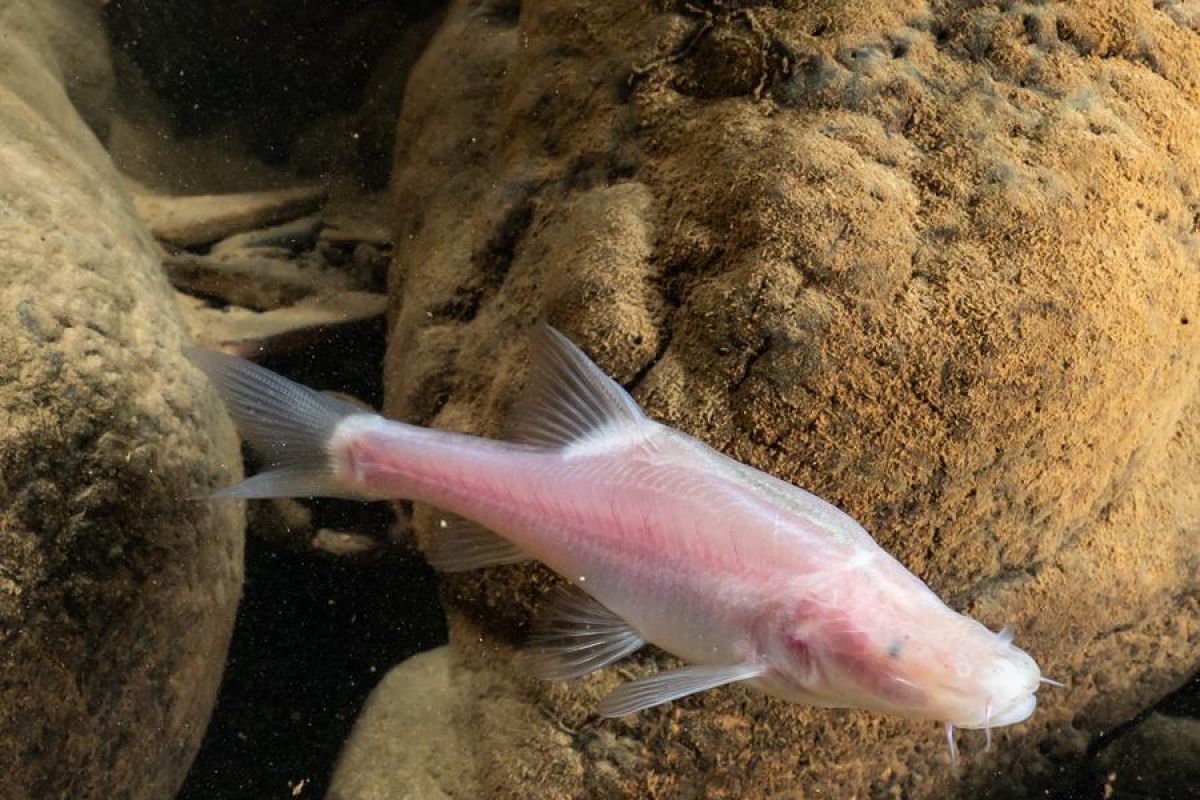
point(117, 589)
point(936, 265)
point(200, 219)
point(254, 334)
point(345, 544)
point(252, 280)
point(291, 238)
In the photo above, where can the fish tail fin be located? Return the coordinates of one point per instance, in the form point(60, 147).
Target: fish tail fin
point(290, 425)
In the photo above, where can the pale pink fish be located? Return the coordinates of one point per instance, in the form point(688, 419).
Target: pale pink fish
point(745, 577)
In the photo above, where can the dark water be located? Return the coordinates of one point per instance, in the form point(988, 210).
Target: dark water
point(314, 634)
point(277, 67)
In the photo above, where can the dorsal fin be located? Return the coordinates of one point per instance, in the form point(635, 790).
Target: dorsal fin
point(568, 399)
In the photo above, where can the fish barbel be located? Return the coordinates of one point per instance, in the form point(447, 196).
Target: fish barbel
point(743, 576)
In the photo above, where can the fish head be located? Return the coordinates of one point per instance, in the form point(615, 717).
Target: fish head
point(936, 665)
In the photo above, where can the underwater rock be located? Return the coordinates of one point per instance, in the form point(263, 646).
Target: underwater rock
point(201, 219)
point(417, 722)
point(936, 266)
point(251, 280)
point(117, 590)
point(255, 334)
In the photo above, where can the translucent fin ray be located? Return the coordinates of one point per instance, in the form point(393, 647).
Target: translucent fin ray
point(295, 481)
point(288, 424)
point(578, 635)
point(459, 545)
point(663, 687)
point(568, 398)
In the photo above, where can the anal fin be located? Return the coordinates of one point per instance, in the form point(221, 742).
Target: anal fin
point(578, 635)
point(459, 545)
point(672, 684)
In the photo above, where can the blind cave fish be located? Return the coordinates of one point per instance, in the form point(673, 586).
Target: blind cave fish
point(663, 540)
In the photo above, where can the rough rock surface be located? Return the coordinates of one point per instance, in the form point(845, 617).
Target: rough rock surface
point(117, 590)
point(936, 262)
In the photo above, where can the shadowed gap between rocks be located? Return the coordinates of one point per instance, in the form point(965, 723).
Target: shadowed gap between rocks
point(315, 631)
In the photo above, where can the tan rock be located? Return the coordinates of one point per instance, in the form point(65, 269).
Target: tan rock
point(200, 219)
point(936, 265)
point(117, 589)
point(411, 723)
point(252, 280)
point(254, 334)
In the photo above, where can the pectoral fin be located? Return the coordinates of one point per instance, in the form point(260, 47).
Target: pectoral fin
point(673, 684)
point(578, 635)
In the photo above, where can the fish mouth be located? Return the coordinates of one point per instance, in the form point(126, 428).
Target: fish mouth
point(1017, 710)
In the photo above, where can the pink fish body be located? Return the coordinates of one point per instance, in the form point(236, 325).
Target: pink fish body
point(745, 577)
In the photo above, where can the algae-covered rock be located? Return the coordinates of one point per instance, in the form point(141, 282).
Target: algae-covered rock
point(117, 588)
point(937, 264)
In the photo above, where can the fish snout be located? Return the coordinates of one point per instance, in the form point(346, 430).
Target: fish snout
point(1009, 691)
